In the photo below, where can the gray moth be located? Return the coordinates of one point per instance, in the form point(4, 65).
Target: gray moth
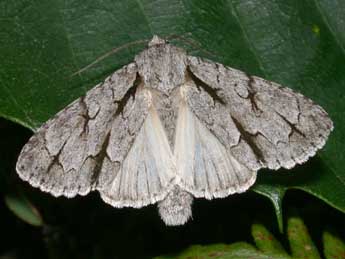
point(169, 127)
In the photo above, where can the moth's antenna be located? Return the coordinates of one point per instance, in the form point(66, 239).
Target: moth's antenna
point(114, 50)
point(189, 41)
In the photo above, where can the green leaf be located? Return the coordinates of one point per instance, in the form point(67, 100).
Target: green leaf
point(23, 209)
point(265, 241)
point(238, 250)
point(267, 246)
point(300, 44)
point(334, 248)
point(301, 244)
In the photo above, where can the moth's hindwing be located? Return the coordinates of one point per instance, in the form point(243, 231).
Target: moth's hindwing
point(205, 166)
point(147, 172)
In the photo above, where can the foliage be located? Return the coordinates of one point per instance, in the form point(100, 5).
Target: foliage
point(21, 207)
point(268, 247)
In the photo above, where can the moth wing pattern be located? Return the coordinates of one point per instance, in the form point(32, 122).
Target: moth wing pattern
point(67, 154)
point(205, 167)
point(271, 126)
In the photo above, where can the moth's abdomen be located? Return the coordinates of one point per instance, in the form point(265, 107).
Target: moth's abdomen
point(176, 208)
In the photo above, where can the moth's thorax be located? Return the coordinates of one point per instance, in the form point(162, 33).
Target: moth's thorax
point(167, 108)
point(162, 67)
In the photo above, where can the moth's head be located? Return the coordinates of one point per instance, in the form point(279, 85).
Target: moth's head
point(156, 40)
point(161, 66)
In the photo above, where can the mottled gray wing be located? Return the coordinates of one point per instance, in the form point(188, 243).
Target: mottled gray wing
point(66, 155)
point(260, 122)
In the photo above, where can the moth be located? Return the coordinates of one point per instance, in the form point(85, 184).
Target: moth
point(169, 127)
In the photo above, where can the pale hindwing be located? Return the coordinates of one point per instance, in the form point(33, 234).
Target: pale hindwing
point(276, 127)
point(205, 167)
point(148, 172)
point(65, 155)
